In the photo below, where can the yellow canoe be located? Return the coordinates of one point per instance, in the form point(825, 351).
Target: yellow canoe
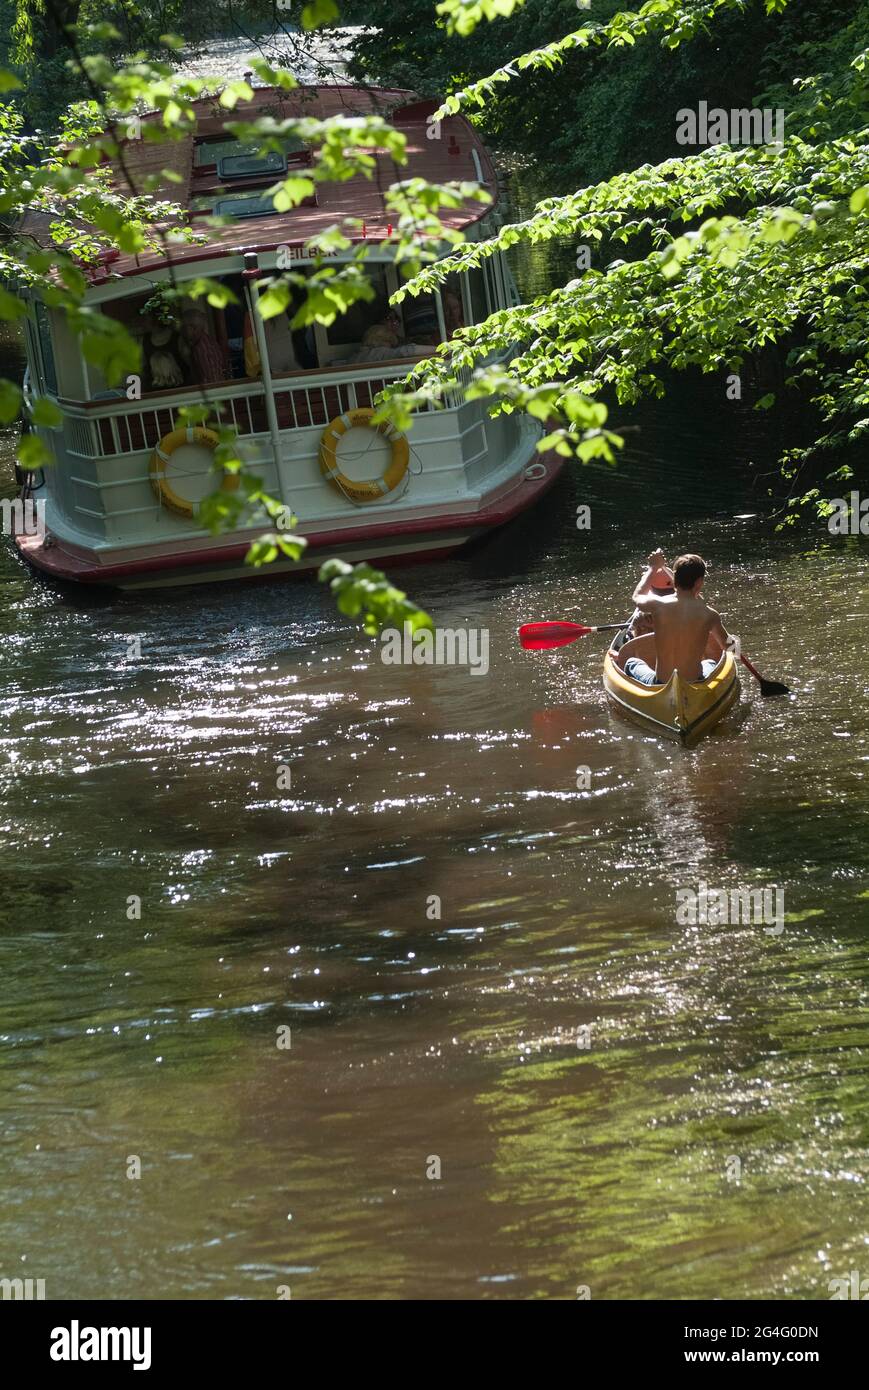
point(681, 710)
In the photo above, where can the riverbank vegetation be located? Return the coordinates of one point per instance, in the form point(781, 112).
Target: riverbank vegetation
point(731, 249)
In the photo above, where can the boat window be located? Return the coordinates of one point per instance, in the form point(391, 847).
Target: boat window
point(494, 272)
point(451, 298)
point(420, 317)
point(183, 342)
point(46, 349)
point(477, 295)
point(421, 321)
point(371, 330)
point(375, 331)
point(366, 318)
point(291, 349)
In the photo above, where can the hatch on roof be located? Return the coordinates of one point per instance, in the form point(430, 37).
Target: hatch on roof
point(244, 205)
point(242, 166)
point(239, 159)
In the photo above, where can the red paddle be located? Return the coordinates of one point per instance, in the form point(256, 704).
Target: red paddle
point(766, 687)
point(543, 637)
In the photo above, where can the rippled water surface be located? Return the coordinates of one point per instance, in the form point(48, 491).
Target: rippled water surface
point(416, 1035)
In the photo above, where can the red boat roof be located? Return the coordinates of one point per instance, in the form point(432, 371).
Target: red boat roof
point(447, 159)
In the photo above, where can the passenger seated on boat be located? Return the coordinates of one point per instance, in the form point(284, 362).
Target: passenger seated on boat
point(383, 354)
point(660, 582)
point(685, 627)
point(282, 351)
point(162, 368)
point(384, 340)
point(385, 333)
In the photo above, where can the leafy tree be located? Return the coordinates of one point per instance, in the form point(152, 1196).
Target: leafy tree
point(600, 109)
point(733, 248)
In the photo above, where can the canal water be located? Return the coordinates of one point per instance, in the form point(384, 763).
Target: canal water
point(462, 908)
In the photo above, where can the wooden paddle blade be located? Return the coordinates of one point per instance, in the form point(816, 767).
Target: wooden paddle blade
point(541, 637)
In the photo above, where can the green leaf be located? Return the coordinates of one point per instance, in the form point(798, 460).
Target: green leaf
point(274, 300)
point(10, 401)
point(44, 412)
point(319, 12)
point(292, 191)
point(333, 569)
point(216, 292)
point(11, 308)
point(32, 453)
point(267, 548)
point(365, 593)
point(234, 92)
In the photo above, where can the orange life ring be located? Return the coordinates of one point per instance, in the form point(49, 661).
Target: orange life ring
point(369, 489)
point(164, 451)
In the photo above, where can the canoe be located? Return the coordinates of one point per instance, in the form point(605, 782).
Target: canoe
point(681, 710)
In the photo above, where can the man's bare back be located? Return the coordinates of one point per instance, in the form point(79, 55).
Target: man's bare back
point(682, 629)
point(683, 621)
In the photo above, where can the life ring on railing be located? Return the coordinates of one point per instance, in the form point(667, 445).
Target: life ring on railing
point(206, 439)
point(369, 489)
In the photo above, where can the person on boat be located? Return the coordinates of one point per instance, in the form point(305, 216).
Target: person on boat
point(685, 626)
point(163, 370)
point(658, 580)
point(385, 333)
point(208, 360)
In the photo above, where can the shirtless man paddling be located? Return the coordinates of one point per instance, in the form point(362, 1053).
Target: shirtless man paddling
point(684, 624)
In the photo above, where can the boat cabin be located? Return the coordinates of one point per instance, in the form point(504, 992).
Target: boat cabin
point(119, 487)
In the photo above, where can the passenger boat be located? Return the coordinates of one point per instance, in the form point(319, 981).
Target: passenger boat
point(120, 501)
point(681, 710)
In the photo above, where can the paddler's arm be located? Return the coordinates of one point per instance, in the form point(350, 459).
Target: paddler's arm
point(655, 576)
point(719, 637)
point(641, 594)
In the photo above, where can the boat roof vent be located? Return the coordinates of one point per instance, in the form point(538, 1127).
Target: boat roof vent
point(247, 165)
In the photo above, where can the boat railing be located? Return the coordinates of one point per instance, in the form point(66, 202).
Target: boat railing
point(111, 426)
point(98, 490)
